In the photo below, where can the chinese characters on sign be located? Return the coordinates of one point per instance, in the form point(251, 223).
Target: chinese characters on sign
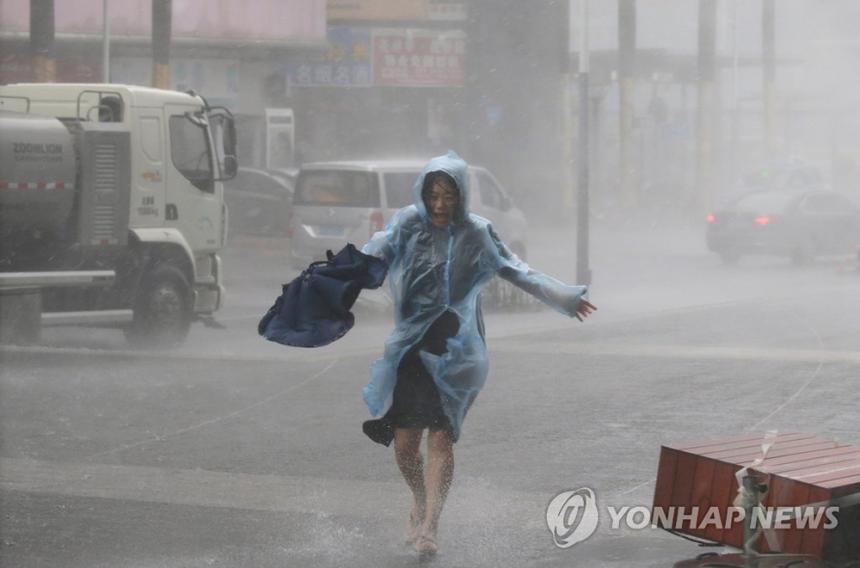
point(361, 57)
point(346, 63)
point(418, 58)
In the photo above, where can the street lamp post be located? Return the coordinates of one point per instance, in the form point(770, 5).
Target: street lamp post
point(769, 74)
point(162, 22)
point(42, 40)
point(105, 43)
point(583, 270)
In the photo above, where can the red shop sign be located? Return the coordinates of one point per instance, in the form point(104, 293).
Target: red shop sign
point(418, 58)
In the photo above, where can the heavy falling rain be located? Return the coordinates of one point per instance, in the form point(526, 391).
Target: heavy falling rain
point(383, 283)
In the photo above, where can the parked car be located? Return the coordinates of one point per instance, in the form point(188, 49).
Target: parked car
point(259, 203)
point(340, 202)
point(799, 224)
point(784, 174)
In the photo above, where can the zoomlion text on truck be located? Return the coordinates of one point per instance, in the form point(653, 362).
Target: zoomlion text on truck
point(111, 209)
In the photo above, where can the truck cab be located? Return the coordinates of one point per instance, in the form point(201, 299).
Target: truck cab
point(178, 152)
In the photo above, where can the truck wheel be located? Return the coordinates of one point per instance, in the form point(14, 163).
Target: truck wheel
point(162, 312)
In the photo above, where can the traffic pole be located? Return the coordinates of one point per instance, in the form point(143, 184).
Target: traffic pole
point(42, 41)
point(161, 32)
point(735, 169)
point(626, 93)
point(706, 103)
point(583, 270)
point(105, 42)
point(568, 198)
point(769, 75)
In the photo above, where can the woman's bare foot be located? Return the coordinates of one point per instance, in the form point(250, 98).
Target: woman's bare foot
point(413, 526)
point(425, 544)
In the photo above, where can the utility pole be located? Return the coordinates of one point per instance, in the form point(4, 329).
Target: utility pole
point(567, 96)
point(769, 74)
point(583, 270)
point(161, 32)
point(735, 102)
point(706, 102)
point(105, 42)
point(42, 41)
point(626, 93)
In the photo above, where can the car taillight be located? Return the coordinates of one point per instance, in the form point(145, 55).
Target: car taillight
point(763, 220)
point(711, 218)
point(376, 222)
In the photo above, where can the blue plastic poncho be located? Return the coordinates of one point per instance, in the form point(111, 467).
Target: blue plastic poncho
point(433, 270)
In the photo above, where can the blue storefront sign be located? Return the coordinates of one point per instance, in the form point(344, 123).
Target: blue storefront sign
point(346, 63)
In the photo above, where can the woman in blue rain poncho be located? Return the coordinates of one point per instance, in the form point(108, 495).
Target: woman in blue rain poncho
point(435, 363)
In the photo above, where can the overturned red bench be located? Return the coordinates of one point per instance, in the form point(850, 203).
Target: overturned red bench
point(696, 488)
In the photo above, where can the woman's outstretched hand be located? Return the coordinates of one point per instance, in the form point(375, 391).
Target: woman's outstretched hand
point(584, 309)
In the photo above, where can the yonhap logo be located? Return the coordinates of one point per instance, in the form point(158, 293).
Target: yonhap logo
point(572, 517)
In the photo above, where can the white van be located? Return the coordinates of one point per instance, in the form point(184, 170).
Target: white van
point(339, 202)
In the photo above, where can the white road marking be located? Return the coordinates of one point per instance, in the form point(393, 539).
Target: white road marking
point(472, 501)
point(221, 418)
point(680, 351)
point(804, 386)
point(277, 356)
point(496, 346)
point(502, 328)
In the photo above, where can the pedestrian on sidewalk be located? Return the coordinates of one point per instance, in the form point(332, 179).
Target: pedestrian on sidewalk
point(439, 257)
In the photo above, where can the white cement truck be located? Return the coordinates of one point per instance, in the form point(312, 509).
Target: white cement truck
point(111, 209)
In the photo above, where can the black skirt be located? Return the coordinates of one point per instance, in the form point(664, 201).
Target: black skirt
point(416, 403)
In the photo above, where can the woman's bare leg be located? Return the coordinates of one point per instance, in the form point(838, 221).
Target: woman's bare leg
point(438, 474)
point(407, 451)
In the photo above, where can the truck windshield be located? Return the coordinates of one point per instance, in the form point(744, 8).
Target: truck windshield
point(189, 149)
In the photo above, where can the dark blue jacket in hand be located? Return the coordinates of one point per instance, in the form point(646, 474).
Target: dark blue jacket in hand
point(314, 309)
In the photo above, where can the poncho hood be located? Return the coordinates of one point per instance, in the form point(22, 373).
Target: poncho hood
point(453, 165)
